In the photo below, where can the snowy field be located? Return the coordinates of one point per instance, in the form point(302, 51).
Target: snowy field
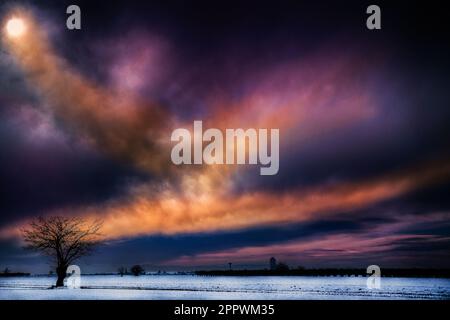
point(207, 287)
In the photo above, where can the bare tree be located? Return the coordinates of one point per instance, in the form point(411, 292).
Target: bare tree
point(137, 270)
point(63, 239)
point(122, 271)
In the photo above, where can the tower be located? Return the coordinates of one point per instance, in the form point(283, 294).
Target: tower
point(273, 263)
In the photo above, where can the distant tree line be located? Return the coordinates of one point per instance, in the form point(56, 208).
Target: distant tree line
point(7, 273)
point(284, 270)
point(135, 270)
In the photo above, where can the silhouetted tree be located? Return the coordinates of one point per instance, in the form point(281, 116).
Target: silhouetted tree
point(122, 271)
point(137, 270)
point(282, 267)
point(63, 239)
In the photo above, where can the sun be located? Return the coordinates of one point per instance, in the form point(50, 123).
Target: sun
point(15, 27)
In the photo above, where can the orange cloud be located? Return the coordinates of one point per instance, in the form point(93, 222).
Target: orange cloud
point(200, 208)
point(127, 129)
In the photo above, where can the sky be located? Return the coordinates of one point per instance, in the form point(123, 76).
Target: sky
point(86, 118)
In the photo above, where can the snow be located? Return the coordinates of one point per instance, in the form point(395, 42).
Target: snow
point(157, 287)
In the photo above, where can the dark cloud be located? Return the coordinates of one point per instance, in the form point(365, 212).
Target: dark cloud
point(37, 178)
point(154, 251)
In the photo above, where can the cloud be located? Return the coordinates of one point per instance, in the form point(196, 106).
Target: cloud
point(379, 244)
point(162, 210)
point(128, 130)
point(43, 168)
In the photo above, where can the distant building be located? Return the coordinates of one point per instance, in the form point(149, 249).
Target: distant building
point(273, 263)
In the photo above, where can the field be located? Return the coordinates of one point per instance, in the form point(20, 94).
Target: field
point(156, 287)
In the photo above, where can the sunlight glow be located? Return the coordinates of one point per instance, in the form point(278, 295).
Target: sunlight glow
point(15, 27)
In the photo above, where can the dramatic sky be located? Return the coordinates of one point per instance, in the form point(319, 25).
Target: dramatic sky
point(86, 117)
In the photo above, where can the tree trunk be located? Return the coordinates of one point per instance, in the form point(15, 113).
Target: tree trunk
point(61, 272)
